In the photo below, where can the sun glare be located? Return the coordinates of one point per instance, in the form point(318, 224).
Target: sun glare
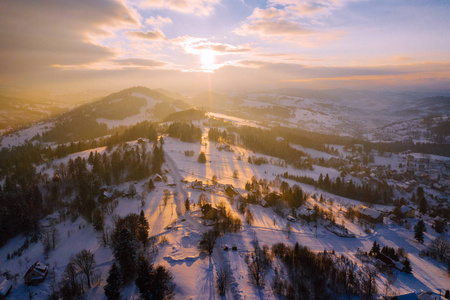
point(207, 59)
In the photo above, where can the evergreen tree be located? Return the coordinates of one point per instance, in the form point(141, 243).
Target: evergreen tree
point(113, 283)
point(407, 264)
point(163, 286)
point(187, 204)
point(125, 253)
point(419, 229)
point(375, 247)
point(143, 228)
point(202, 158)
point(423, 205)
point(144, 280)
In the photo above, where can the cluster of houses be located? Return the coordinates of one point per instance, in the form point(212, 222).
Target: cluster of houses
point(35, 275)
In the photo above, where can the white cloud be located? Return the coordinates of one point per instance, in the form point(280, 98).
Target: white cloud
point(158, 21)
point(149, 35)
point(197, 7)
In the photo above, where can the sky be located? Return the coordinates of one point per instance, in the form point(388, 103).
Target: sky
point(191, 46)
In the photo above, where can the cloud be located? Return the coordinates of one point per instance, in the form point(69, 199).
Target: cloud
point(223, 48)
point(139, 62)
point(196, 45)
point(308, 8)
point(38, 34)
point(197, 7)
point(149, 35)
point(267, 14)
point(158, 21)
point(273, 28)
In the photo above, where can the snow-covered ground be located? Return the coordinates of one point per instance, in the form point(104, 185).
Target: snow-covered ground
point(19, 137)
point(143, 114)
point(194, 272)
point(235, 120)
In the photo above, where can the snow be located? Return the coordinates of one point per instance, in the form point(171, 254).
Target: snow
point(19, 137)
point(143, 114)
point(194, 272)
point(313, 153)
point(235, 120)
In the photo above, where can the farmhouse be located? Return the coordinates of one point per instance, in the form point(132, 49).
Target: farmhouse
point(5, 287)
point(231, 191)
point(408, 211)
point(36, 274)
point(370, 215)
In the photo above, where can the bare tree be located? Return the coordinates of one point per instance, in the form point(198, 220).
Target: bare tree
point(440, 249)
point(249, 217)
point(259, 263)
point(223, 280)
point(368, 282)
point(166, 196)
point(208, 241)
point(132, 190)
point(85, 262)
point(46, 240)
point(55, 237)
point(288, 228)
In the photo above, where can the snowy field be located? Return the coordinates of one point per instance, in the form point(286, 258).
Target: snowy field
point(194, 272)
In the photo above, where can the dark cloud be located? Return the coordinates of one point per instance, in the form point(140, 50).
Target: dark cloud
point(149, 35)
point(35, 35)
point(138, 62)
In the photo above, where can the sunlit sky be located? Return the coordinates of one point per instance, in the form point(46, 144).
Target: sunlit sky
point(227, 45)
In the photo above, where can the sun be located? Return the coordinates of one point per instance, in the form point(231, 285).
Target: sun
point(207, 59)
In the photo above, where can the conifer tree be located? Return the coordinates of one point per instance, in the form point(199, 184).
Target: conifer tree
point(113, 283)
point(419, 229)
point(143, 228)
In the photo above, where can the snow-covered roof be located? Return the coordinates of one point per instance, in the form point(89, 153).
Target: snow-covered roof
point(369, 212)
point(399, 265)
point(404, 209)
point(5, 286)
point(410, 296)
point(425, 296)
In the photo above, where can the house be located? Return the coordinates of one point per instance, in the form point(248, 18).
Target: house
point(36, 274)
point(408, 211)
point(104, 196)
point(291, 219)
point(399, 266)
point(386, 260)
point(231, 191)
point(370, 215)
point(225, 147)
point(263, 203)
point(209, 212)
point(425, 296)
point(5, 287)
point(157, 178)
point(410, 296)
point(197, 185)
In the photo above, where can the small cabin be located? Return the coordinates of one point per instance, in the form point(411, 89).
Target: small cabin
point(36, 274)
point(370, 215)
point(5, 287)
point(230, 191)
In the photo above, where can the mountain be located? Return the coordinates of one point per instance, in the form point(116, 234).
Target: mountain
point(17, 111)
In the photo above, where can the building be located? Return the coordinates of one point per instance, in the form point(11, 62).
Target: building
point(157, 178)
point(410, 296)
point(370, 215)
point(197, 185)
point(36, 274)
point(408, 211)
point(5, 287)
point(231, 191)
